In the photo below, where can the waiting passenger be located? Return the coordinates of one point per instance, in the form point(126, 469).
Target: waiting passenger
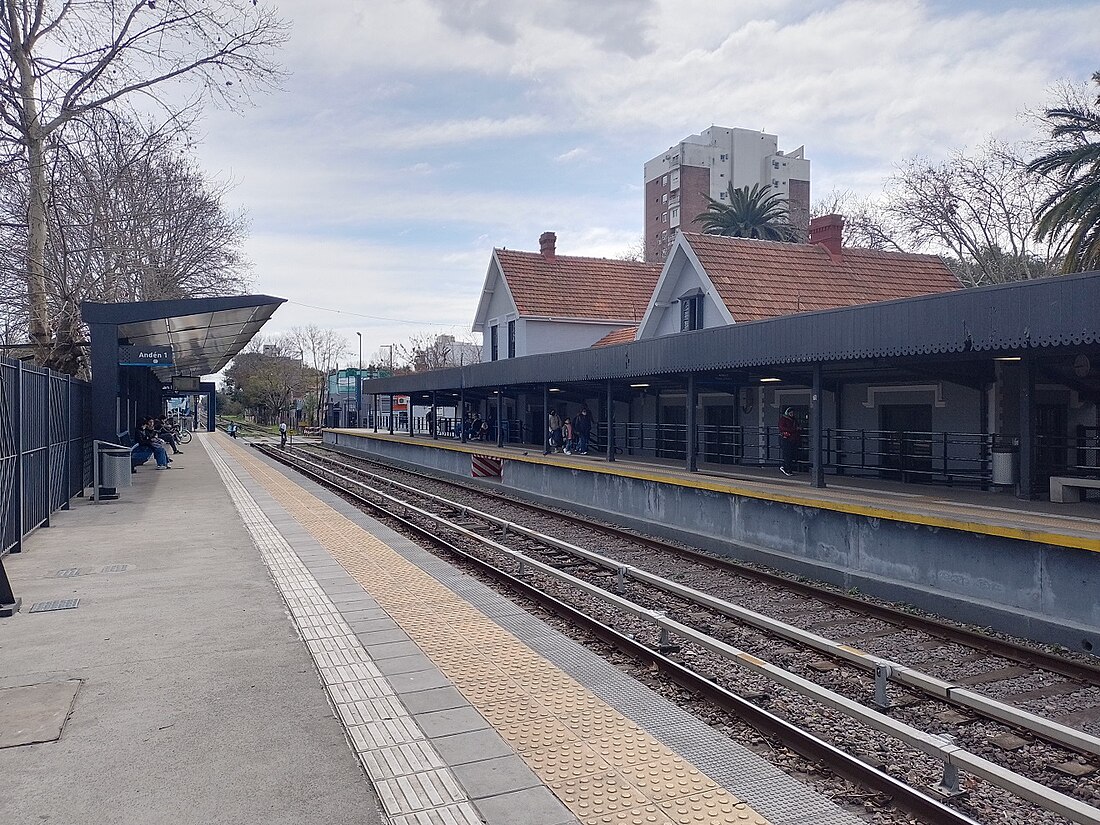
point(147, 444)
point(165, 433)
point(554, 424)
point(790, 437)
point(567, 436)
point(582, 429)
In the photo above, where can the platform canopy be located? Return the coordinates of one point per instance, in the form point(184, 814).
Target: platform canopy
point(203, 333)
point(137, 347)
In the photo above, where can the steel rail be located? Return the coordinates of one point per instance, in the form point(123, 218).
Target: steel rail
point(911, 677)
point(1085, 672)
point(931, 744)
point(801, 741)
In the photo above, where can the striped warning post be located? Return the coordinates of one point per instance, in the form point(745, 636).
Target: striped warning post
point(486, 466)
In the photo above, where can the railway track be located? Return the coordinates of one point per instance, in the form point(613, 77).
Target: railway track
point(647, 599)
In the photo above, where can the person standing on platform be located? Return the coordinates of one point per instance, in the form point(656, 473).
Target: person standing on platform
point(554, 425)
point(790, 438)
point(567, 436)
point(282, 435)
point(582, 429)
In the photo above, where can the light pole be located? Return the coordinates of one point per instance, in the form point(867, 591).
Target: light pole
point(359, 385)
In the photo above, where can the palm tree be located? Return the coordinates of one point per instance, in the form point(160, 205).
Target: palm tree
point(1073, 209)
point(750, 213)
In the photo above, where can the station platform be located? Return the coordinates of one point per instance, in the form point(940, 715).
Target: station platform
point(246, 643)
point(963, 508)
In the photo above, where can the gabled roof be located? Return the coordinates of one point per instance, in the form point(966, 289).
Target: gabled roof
point(567, 286)
point(766, 279)
point(619, 336)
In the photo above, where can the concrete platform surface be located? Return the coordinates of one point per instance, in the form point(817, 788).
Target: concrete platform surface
point(197, 701)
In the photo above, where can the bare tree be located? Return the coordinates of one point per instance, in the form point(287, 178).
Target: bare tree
point(866, 223)
point(430, 351)
point(977, 211)
point(67, 59)
point(131, 219)
point(321, 350)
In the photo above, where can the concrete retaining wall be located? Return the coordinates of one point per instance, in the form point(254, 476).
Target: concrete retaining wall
point(1028, 589)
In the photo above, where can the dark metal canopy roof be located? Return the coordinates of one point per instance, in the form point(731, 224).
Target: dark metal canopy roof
point(204, 333)
point(1045, 313)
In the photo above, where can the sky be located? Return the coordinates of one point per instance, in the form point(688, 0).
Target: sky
point(411, 137)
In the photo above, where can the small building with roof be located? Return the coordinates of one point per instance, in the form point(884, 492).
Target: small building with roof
point(712, 280)
point(539, 302)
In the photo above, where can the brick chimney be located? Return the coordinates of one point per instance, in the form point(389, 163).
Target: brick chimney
point(548, 245)
point(828, 230)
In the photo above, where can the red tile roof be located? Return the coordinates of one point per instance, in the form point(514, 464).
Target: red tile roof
point(765, 279)
point(567, 286)
point(619, 336)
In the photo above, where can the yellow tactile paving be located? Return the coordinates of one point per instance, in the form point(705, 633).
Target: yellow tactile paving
point(994, 521)
point(601, 765)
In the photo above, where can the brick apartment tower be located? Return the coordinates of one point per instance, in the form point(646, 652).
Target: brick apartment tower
point(675, 181)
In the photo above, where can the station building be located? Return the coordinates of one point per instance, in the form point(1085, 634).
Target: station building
point(918, 379)
point(936, 422)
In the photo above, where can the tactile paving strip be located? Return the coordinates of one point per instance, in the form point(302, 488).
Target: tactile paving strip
point(431, 614)
point(412, 781)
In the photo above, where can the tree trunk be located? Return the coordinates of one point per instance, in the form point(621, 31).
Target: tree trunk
point(40, 331)
point(31, 128)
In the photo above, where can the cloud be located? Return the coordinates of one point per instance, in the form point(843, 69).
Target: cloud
point(574, 154)
point(413, 136)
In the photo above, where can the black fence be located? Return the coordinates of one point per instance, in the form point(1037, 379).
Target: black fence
point(45, 447)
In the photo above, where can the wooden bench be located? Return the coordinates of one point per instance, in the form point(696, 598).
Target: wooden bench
point(1067, 490)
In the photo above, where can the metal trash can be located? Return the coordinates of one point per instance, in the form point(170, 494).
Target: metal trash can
point(115, 469)
point(1006, 465)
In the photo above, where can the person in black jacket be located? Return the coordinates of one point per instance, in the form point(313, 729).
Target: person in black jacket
point(148, 444)
point(582, 429)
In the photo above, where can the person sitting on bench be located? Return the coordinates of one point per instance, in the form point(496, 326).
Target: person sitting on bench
point(147, 444)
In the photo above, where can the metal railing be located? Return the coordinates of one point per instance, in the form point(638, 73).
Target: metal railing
point(45, 454)
point(45, 447)
point(950, 457)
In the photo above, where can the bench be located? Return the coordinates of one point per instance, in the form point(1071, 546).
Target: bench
point(1067, 490)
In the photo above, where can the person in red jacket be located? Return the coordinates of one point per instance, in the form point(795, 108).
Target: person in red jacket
point(790, 438)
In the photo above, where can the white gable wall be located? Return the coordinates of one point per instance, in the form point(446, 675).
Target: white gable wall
point(681, 275)
point(559, 336)
point(500, 310)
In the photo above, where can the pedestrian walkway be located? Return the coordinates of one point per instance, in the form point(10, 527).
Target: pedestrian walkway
point(185, 694)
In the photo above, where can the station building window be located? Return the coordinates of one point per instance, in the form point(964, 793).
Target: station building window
point(691, 312)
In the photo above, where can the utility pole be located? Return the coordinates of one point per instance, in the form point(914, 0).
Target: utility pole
point(359, 385)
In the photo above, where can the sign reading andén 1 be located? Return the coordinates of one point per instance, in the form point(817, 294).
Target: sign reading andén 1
point(134, 356)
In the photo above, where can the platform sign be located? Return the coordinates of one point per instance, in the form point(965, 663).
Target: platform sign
point(486, 466)
point(148, 356)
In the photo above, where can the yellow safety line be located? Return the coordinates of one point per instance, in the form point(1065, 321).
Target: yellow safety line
point(600, 764)
point(871, 511)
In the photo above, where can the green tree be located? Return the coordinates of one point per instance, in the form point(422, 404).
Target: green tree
point(750, 213)
point(1074, 163)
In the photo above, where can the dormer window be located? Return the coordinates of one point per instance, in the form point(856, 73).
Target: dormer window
point(691, 311)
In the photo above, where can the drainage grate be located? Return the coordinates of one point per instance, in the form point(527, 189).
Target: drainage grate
point(116, 568)
point(58, 604)
point(69, 571)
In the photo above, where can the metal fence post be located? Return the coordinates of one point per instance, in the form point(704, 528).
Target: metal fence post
point(68, 420)
point(18, 491)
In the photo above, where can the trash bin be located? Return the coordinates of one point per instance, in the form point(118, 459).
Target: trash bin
point(1006, 464)
point(115, 469)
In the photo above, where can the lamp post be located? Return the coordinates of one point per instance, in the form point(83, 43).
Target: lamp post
point(359, 385)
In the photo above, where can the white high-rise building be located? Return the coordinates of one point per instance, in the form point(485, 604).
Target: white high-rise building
point(677, 181)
